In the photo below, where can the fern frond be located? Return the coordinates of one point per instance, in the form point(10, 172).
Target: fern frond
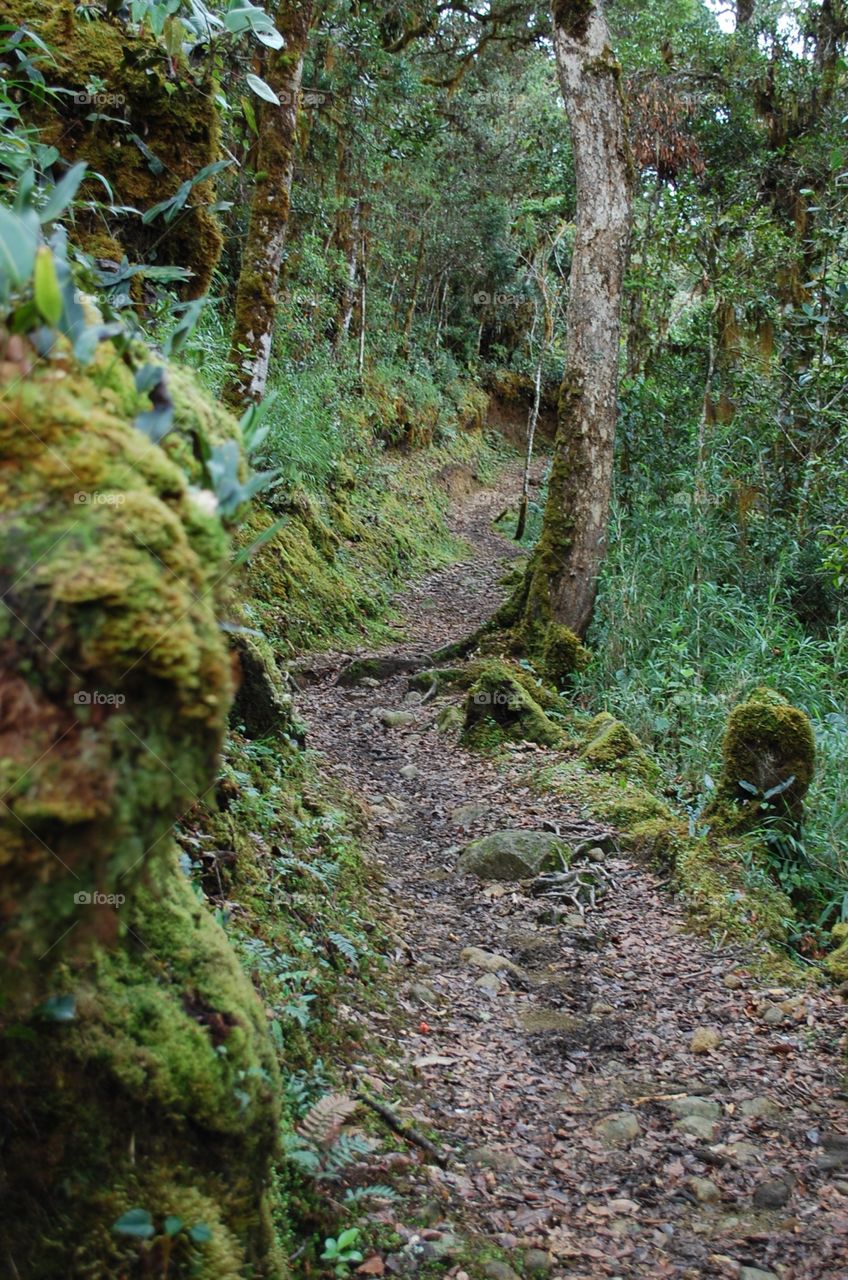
point(355, 1195)
point(322, 1124)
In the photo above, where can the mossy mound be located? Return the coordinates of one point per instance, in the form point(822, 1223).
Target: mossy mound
point(836, 962)
point(138, 1072)
point(160, 1093)
point(562, 654)
point(499, 708)
point(768, 757)
point(610, 745)
point(156, 127)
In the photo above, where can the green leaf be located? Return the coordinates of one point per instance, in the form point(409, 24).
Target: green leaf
point(173, 1225)
point(18, 243)
point(249, 115)
point(261, 89)
point(48, 295)
point(136, 1223)
point(63, 193)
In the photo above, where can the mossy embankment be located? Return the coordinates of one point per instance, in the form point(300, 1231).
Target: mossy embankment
point(138, 1068)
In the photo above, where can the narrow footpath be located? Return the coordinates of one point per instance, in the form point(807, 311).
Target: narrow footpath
point(616, 1097)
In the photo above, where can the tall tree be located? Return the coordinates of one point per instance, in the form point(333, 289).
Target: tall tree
point(259, 276)
point(562, 578)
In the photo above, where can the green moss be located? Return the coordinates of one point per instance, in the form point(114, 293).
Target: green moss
point(162, 1090)
point(610, 745)
point(836, 962)
point(562, 654)
point(768, 757)
point(499, 707)
point(726, 895)
point(161, 103)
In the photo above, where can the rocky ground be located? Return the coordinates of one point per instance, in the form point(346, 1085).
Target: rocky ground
point(614, 1097)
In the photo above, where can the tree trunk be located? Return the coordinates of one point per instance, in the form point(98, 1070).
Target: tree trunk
point(562, 578)
point(744, 12)
point(259, 278)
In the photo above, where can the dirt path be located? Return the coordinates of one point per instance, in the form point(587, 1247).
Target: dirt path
point(578, 1119)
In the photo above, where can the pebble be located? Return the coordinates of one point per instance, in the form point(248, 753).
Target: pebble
point(426, 995)
point(494, 1269)
point(773, 1194)
point(537, 1262)
point(704, 1040)
point(706, 1107)
point(754, 1273)
point(704, 1190)
point(759, 1108)
point(698, 1127)
point(619, 1128)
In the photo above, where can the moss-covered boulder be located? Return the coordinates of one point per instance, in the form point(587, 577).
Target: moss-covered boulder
point(836, 962)
point(768, 757)
point(513, 855)
point(137, 1069)
point(262, 703)
point(139, 115)
point(499, 708)
point(563, 655)
point(610, 745)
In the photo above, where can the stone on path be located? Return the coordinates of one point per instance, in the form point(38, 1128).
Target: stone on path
point(619, 1129)
point(697, 1127)
point(490, 961)
point(704, 1040)
point(511, 855)
point(706, 1107)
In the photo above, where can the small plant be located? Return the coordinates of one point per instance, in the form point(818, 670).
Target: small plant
point(341, 1251)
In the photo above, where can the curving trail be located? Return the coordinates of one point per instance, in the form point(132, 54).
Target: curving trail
point(578, 1120)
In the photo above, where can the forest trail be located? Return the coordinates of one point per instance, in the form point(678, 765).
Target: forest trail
point(577, 1118)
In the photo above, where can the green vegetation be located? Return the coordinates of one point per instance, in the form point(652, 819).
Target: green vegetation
point(186, 902)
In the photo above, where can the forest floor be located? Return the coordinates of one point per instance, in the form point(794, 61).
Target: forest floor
point(619, 1097)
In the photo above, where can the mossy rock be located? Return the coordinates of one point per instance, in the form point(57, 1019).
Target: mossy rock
point(610, 745)
point(836, 963)
point(159, 106)
point(161, 1093)
point(262, 703)
point(513, 855)
point(498, 708)
point(768, 758)
point(563, 655)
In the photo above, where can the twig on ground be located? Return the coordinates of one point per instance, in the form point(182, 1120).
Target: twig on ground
point(403, 1128)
